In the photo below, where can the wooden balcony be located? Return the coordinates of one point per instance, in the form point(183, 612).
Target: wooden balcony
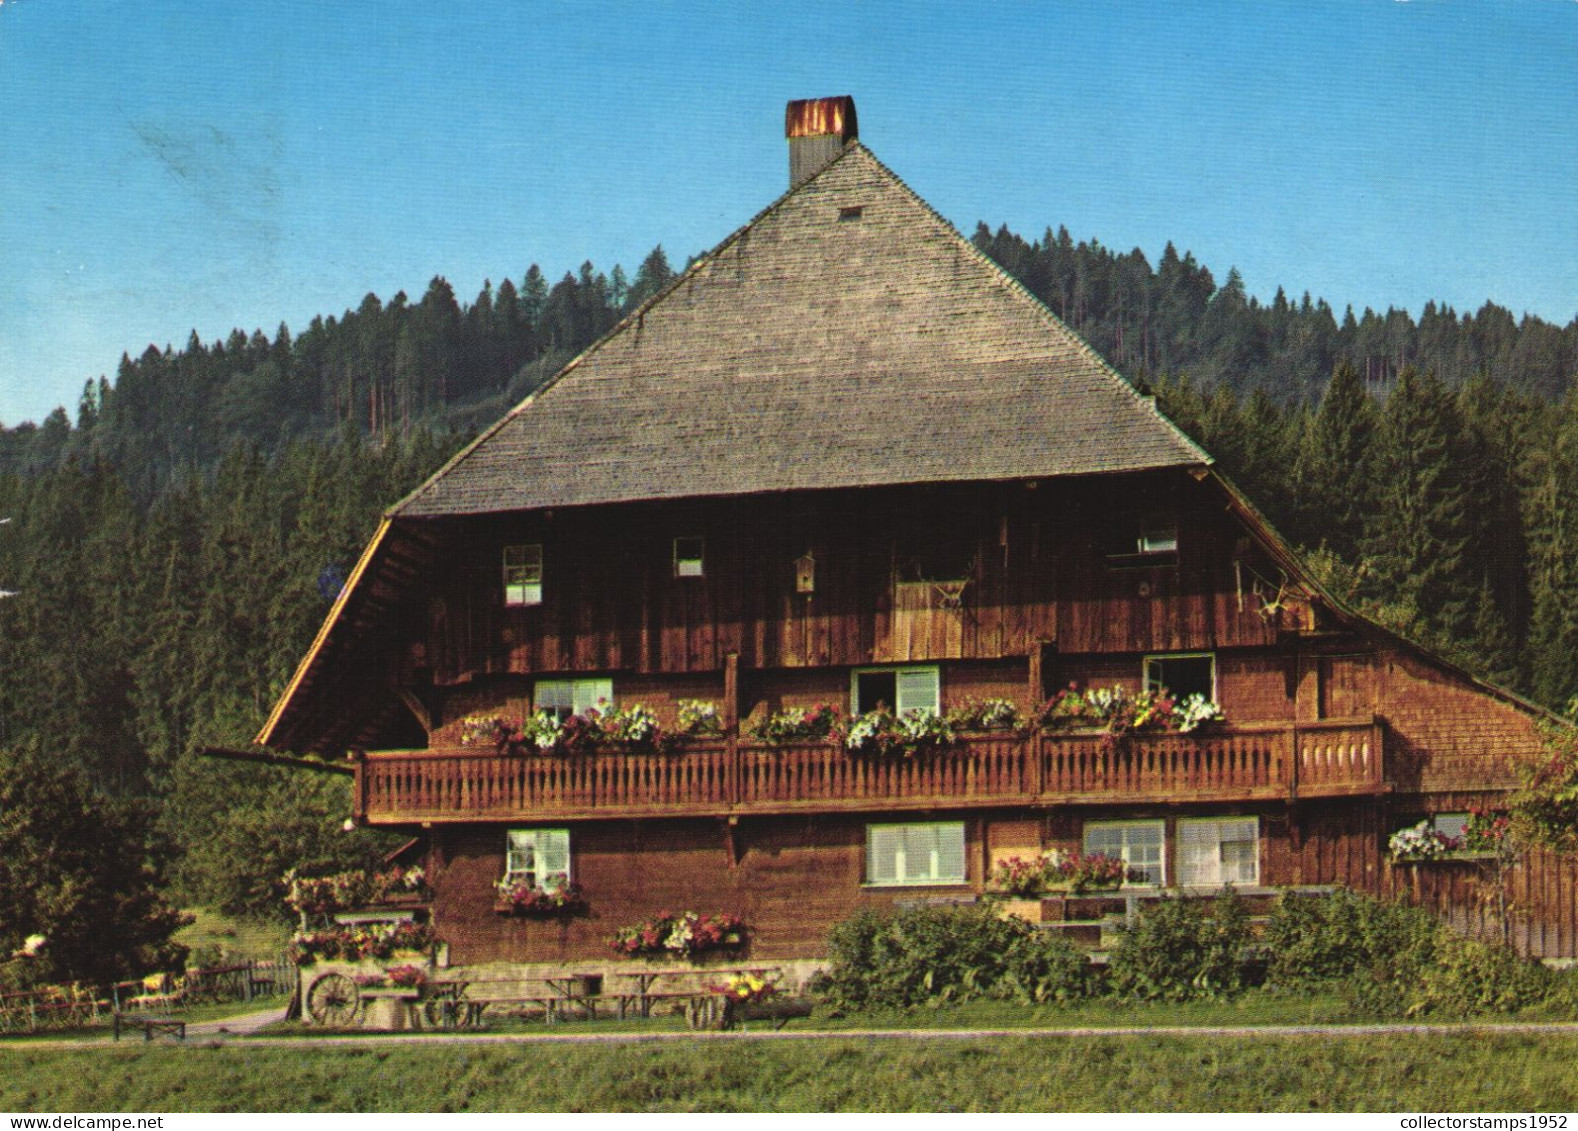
point(720, 778)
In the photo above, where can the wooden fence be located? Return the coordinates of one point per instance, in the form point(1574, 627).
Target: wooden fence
point(79, 1006)
point(1532, 905)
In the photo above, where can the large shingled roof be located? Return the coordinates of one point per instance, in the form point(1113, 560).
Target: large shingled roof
point(847, 336)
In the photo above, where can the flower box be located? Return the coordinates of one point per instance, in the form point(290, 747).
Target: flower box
point(1456, 856)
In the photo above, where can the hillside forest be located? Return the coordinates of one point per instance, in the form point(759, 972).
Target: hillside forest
point(172, 546)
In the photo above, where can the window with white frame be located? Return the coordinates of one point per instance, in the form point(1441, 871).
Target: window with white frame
point(898, 689)
point(906, 855)
point(689, 557)
point(1213, 851)
point(523, 575)
point(566, 697)
point(1450, 825)
point(1139, 844)
point(1182, 674)
point(538, 858)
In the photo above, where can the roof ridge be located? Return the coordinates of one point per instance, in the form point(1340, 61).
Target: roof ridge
point(1005, 279)
point(705, 259)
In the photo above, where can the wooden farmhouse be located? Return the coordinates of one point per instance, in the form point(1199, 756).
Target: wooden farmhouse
point(846, 460)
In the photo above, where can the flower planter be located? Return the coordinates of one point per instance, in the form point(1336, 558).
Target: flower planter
point(389, 1008)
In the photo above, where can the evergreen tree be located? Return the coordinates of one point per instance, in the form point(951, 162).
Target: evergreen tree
point(1334, 483)
point(1416, 537)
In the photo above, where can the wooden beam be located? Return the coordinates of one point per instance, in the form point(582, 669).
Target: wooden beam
point(414, 704)
point(731, 693)
point(271, 759)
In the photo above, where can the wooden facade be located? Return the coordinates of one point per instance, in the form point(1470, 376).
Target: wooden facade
point(1335, 734)
point(845, 443)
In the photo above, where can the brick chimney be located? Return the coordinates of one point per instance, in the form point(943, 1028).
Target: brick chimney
point(817, 129)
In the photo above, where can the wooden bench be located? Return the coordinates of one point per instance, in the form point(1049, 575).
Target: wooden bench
point(150, 1024)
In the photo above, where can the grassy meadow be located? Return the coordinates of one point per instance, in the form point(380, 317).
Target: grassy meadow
point(1103, 1073)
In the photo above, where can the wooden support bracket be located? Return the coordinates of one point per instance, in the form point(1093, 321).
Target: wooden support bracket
point(413, 703)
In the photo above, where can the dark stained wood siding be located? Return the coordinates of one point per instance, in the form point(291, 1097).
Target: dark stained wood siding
point(790, 878)
point(1037, 565)
point(794, 878)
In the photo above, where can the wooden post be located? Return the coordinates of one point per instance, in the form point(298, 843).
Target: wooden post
point(731, 726)
point(1291, 755)
point(731, 693)
point(1038, 673)
point(359, 794)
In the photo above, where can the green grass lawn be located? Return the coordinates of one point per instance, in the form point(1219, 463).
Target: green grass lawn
point(1104, 1073)
point(240, 939)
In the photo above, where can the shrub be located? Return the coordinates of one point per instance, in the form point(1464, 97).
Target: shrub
point(1184, 949)
point(1470, 976)
point(1042, 966)
point(1392, 959)
point(1314, 940)
point(933, 954)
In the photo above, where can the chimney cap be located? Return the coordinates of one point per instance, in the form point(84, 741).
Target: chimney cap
point(819, 117)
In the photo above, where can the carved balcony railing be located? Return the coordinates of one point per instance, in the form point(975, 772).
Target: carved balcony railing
point(723, 777)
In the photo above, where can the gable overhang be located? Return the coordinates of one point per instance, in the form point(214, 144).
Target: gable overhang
point(353, 659)
point(1288, 559)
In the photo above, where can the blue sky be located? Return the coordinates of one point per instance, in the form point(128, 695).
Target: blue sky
point(168, 165)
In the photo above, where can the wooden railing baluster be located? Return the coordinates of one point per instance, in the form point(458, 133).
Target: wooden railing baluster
point(1324, 757)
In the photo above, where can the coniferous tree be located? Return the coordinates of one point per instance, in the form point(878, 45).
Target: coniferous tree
point(1416, 539)
point(1332, 470)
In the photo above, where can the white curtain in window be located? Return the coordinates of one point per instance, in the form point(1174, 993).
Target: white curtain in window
point(539, 857)
point(1220, 851)
point(915, 854)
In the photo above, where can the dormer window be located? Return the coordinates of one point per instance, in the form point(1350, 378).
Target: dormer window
point(688, 557)
point(523, 575)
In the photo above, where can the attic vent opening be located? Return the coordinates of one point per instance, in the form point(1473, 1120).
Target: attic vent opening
point(854, 212)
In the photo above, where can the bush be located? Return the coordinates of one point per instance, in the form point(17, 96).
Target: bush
point(1042, 966)
point(1184, 949)
point(1470, 976)
point(1392, 959)
point(1314, 940)
point(934, 954)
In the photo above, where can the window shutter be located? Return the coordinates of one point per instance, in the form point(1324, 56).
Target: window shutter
point(917, 689)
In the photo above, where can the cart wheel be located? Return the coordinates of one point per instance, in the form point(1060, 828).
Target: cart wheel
point(333, 1001)
point(442, 1013)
